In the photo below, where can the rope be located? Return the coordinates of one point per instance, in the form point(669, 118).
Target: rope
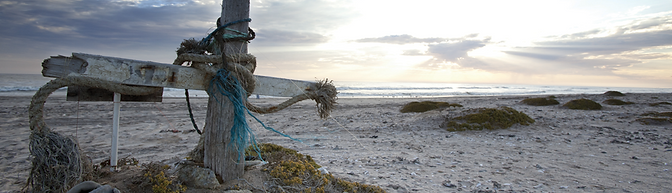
point(206, 40)
point(191, 114)
point(241, 134)
point(56, 159)
point(233, 77)
point(324, 96)
point(36, 112)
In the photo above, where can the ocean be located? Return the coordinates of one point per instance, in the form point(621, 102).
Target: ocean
point(28, 84)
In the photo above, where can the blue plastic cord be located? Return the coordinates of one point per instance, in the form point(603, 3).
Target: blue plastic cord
point(207, 39)
point(241, 134)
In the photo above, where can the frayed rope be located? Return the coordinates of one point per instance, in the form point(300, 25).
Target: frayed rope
point(241, 134)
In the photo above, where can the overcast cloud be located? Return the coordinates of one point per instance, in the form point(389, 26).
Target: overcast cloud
point(147, 30)
point(350, 38)
point(590, 52)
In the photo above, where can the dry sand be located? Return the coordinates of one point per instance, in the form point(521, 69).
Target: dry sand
point(370, 141)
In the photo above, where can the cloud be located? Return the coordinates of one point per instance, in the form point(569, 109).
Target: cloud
point(317, 16)
point(612, 44)
point(580, 35)
point(598, 51)
point(453, 52)
point(413, 53)
point(443, 50)
point(408, 39)
point(44, 28)
point(281, 37)
point(149, 30)
point(399, 39)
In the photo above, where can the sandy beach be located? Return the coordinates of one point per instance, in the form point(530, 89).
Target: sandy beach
point(370, 141)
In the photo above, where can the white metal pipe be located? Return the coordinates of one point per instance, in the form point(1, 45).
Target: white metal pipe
point(115, 132)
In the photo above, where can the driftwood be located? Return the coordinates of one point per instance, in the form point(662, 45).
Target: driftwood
point(145, 73)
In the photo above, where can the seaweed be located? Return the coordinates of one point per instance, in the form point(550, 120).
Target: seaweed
point(655, 121)
point(300, 173)
point(656, 118)
point(614, 93)
point(487, 118)
point(418, 107)
point(159, 181)
point(541, 101)
point(616, 102)
point(583, 104)
point(657, 114)
point(660, 103)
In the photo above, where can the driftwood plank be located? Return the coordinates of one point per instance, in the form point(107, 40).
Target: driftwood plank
point(146, 73)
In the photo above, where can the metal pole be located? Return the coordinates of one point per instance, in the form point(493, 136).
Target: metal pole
point(115, 132)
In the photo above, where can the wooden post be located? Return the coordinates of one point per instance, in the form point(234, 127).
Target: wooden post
point(219, 156)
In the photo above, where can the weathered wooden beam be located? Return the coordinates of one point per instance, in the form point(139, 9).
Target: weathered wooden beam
point(146, 73)
point(83, 93)
point(219, 153)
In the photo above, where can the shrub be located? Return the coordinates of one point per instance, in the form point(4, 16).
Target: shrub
point(614, 93)
point(487, 118)
point(583, 104)
point(418, 107)
point(616, 102)
point(540, 101)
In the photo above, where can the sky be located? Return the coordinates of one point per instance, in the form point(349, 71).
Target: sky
point(566, 42)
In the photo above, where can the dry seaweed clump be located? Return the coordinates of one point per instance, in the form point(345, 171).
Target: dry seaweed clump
point(487, 118)
point(294, 172)
point(583, 104)
point(655, 121)
point(656, 118)
point(155, 177)
point(616, 102)
point(660, 103)
point(418, 107)
point(657, 114)
point(547, 101)
point(614, 93)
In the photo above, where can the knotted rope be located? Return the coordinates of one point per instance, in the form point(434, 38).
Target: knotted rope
point(244, 64)
point(57, 163)
point(233, 77)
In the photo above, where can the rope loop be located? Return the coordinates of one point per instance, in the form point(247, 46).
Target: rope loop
point(232, 76)
point(206, 40)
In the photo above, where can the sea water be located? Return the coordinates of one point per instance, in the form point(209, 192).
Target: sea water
point(28, 84)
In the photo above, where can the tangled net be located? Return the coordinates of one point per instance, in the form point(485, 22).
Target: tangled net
point(57, 162)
